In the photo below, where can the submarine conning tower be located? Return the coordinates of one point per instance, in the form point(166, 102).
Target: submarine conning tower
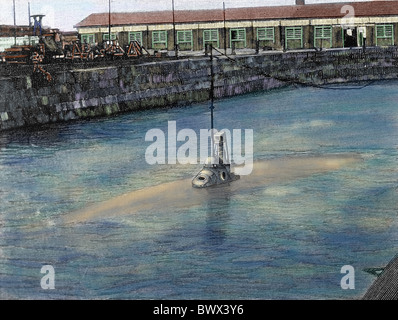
point(217, 169)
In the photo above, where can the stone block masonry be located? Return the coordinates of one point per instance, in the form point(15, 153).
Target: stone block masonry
point(103, 91)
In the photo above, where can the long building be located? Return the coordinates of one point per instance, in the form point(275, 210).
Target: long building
point(299, 26)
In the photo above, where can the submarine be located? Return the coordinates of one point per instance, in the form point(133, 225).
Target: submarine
point(217, 169)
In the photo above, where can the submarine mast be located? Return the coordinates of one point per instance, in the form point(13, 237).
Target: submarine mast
point(217, 169)
point(211, 99)
point(211, 87)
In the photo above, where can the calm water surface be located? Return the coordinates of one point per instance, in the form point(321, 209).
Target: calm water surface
point(286, 240)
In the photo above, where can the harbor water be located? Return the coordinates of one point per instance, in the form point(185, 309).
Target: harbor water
point(287, 238)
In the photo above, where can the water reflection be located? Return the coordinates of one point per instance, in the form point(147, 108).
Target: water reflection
point(3, 142)
point(218, 215)
point(42, 136)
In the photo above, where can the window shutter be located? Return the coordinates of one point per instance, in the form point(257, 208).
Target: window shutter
point(384, 31)
point(184, 36)
point(241, 34)
point(136, 36)
point(206, 35)
point(388, 31)
point(290, 33)
point(188, 36)
point(265, 34)
point(323, 32)
point(269, 34)
point(159, 36)
point(327, 32)
point(238, 34)
point(163, 36)
point(380, 31)
point(214, 35)
point(155, 36)
point(297, 33)
point(294, 33)
point(180, 36)
point(261, 34)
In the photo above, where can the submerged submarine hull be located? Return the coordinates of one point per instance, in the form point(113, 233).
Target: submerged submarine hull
point(212, 175)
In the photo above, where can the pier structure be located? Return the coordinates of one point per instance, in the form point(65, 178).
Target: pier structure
point(82, 92)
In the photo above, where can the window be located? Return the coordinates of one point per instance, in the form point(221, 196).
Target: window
point(105, 36)
point(238, 36)
point(384, 35)
point(266, 34)
point(323, 37)
point(185, 40)
point(135, 36)
point(212, 37)
point(293, 37)
point(159, 39)
point(88, 38)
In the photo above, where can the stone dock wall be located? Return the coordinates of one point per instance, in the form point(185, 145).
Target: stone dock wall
point(124, 87)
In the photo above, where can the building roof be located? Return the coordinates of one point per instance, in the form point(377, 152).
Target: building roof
point(324, 10)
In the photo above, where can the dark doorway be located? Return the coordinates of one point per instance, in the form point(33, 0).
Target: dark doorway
point(350, 38)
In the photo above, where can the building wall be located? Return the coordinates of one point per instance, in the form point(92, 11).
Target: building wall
point(247, 31)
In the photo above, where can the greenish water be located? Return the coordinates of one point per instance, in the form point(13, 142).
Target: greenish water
point(285, 240)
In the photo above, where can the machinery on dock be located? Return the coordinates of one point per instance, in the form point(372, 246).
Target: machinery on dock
point(48, 46)
point(59, 52)
point(50, 51)
point(17, 54)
